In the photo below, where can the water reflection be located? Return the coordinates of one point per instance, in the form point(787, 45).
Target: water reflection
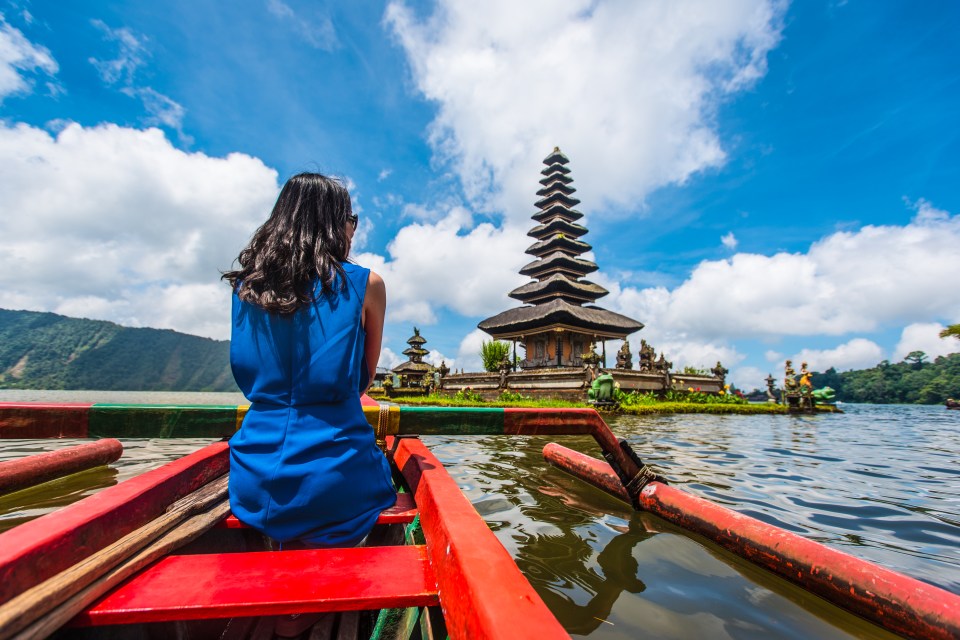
point(21, 506)
point(608, 572)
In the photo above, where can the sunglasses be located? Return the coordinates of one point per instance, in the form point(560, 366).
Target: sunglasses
point(353, 218)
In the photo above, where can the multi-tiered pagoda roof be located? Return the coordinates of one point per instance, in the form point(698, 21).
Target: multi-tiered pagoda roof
point(558, 292)
point(415, 352)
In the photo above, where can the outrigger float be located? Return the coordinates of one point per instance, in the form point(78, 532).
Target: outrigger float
point(163, 547)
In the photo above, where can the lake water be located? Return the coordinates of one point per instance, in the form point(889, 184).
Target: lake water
point(879, 482)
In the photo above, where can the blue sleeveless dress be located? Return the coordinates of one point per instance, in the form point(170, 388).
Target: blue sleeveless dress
point(304, 465)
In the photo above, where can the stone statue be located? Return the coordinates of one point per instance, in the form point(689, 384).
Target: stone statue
point(504, 371)
point(646, 356)
point(771, 394)
point(720, 372)
point(789, 378)
point(662, 365)
point(624, 357)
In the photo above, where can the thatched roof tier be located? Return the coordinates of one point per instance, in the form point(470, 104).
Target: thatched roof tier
point(560, 262)
point(559, 178)
point(556, 198)
point(557, 211)
point(558, 242)
point(558, 286)
point(559, 314)
point(408, 368)
point(556, 157)
point(415, 351)
point(556, 186)
point(416, 339)
point(555, 168)
point(557, 225)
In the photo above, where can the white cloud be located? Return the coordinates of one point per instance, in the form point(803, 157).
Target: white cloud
point(627, 89)
point(924, 336)
point(851, 281)
point(729, 241)
point(858, 353)
point(468, 355)
point(449, 264)
point(389, 359)
point(115, 223)
point(316, 30)
point(384, 174)
point(436, 358)
point(132, 53)
point(19, 56)
point(749, 378)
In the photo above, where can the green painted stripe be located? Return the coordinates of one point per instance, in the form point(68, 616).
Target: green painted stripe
point(451, 421)
point(162, 421)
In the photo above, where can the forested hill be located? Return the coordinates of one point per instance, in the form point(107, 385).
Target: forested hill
point(50, 351)
point(913, 381)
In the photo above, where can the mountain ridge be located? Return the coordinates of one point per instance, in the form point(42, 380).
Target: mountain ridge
point(43, 350)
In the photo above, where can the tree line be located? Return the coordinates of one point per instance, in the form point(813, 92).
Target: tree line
point(915, 380)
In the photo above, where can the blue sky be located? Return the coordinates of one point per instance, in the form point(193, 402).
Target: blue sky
point(761, 180)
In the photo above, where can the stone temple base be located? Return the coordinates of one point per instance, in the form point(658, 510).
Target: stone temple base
point(570, 383)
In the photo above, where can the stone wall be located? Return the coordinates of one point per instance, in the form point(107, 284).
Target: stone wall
point(571, 383)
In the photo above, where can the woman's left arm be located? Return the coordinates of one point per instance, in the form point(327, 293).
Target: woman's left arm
point(374, 308)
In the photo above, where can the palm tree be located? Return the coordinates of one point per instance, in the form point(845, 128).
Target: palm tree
point(952, 330)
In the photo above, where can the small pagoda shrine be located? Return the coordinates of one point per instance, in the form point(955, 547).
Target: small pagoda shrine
point(559, 324)
point(414, 370)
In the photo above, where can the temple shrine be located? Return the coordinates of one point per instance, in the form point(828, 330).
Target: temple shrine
point(414, 371)
point(558, 323)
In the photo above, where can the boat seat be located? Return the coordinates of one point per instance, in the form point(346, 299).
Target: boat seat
point(226, 585)
point(403, 512)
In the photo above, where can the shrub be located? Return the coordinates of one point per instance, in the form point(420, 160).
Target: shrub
point(492, 353)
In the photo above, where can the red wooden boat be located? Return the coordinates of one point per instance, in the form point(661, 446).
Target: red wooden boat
point(451, 577)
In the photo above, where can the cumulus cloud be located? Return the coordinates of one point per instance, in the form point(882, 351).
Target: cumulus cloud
point(924, 336)
point(749, 378)
point(115, 223)
point(468, 355)
point(389, 359)
point(450, 263)
point(858, 353)
point(848, 282)
point(627, 89)
point(20, 59)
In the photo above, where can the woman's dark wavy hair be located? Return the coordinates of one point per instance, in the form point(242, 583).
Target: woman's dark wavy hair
point(303, 240)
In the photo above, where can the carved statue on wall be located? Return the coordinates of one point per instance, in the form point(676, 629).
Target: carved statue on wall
point(504, 371)
point(624, 357)
point(789, 378)
point(720, 372)
point(646, 356)
point(662, 365)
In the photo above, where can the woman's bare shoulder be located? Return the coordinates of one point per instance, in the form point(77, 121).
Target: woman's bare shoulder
point(375, 281)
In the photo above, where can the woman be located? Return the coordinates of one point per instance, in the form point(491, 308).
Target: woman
point(307, 325)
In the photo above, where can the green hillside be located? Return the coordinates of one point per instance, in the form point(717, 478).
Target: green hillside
point(50, 351)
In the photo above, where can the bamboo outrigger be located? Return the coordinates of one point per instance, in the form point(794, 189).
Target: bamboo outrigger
point(452, 578)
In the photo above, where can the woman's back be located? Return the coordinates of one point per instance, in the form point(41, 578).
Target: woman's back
point(304, 465)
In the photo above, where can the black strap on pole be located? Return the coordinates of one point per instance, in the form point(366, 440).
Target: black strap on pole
point(642, 478)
